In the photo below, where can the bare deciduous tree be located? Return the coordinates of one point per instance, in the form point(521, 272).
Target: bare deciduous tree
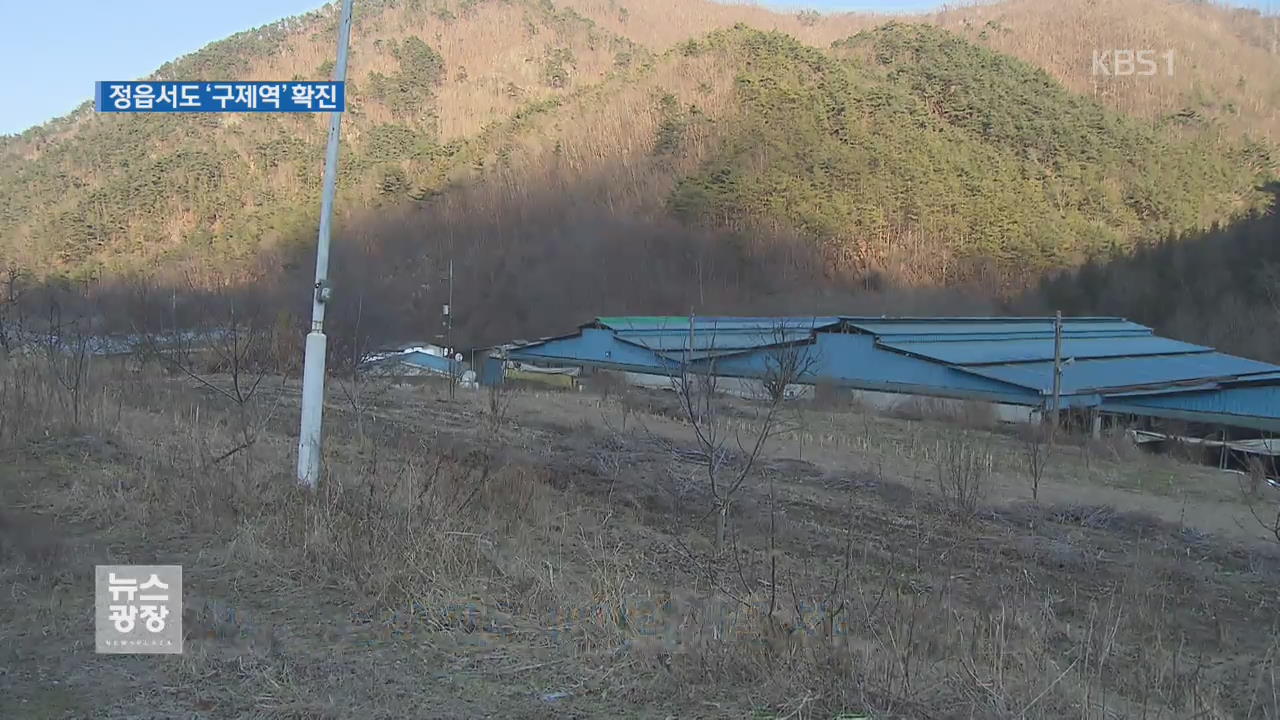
point(11, 307)
point(224, 348)
point(66, 344)
point(1037, 448)
point(964, 466)
point(1262, 472)
point(697, 387)
point(498, 397)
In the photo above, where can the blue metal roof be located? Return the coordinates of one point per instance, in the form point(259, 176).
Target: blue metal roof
point(1111, 362)
point(712, 339)
point(711, 336)
point(1225, 401)
point(421, 359)
point(971, 352)
point(1121, 373)
point(988, 328)
point(676, 323)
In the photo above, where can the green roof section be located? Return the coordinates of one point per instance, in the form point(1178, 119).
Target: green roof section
point(643, 320)
point(718, 323)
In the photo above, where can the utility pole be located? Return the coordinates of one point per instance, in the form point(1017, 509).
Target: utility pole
point(448, 311)
point(453, 358)
point(689, 355)
point(309, 436)
point(1057, 366)
point(445, 334)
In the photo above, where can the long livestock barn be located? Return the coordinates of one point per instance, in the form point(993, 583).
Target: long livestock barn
point(1107, 365)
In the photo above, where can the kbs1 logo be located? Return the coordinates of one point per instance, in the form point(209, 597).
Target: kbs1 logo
point(1124, 63)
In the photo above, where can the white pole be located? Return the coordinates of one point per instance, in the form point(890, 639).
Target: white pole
point(309, 436)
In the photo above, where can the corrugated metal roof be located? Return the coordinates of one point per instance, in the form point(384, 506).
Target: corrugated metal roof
point(711, 336)
point(707, 339)
point(1124, 372)
point(988, 328)
point(1109, 361)
point(1267, 377)
point(417, 358)
point(1246, 401)
point(1015, 351)
point(676, 323)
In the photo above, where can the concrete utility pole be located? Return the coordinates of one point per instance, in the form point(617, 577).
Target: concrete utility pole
point(309, 437)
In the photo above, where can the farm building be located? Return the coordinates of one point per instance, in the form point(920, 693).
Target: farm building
point(418, 361)
point(1108, 366)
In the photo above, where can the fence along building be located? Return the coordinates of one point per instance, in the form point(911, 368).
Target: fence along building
point(1109, 366)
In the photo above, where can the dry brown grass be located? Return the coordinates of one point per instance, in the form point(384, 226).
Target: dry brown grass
point(966, 413)
point(1225, 62)
point(469, 572)
point(661, 24)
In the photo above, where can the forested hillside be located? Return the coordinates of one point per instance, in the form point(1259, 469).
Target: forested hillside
point(568, 152)
point(1220, 287)
point(911, 151)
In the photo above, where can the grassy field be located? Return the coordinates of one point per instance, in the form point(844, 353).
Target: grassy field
point(549, 554)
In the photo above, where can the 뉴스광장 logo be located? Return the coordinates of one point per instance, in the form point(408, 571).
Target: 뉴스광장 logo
point(138, 609)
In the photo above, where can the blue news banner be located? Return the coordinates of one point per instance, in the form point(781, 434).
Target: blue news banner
point(141, 96)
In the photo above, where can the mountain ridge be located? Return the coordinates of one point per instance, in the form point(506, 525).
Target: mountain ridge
point(447, 96)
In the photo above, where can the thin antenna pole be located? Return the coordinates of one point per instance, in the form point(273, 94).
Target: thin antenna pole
point(448, 318)
point(1057, 365)
point(454, 364)
point(689, 355)
point(309, 436)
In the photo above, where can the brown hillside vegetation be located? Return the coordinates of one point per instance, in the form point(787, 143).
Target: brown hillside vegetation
point(1226, 60)
point(1225, 66)
point(662, 24)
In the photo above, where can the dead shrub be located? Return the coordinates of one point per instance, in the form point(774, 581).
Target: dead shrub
point(498, 397)
point(964, 413)
point(607, 383)
point(976, 414)
point(1037, 449)
point(1117, 445)
point(1257, 470)
point(404, 535)
point(35, 401)
point(829, 396)
point(964, 466)
point(918, 408)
